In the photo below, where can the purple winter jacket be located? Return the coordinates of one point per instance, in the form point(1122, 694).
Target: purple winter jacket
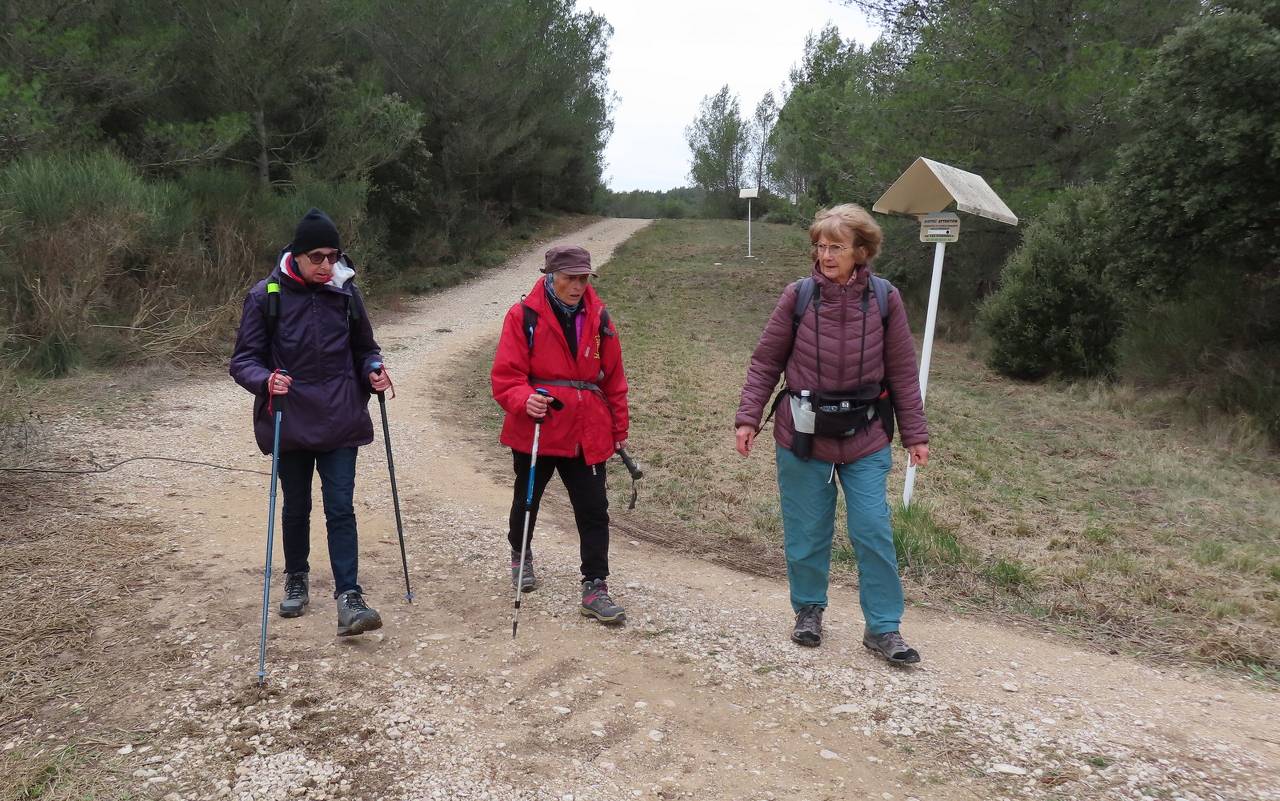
point(889, 357)
point(328, 352)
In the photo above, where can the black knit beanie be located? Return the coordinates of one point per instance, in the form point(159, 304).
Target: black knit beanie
point(315, 230)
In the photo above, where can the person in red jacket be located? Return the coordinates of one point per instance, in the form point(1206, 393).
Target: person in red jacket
point(560, 339)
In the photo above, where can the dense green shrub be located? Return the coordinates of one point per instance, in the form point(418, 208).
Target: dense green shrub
point(1201, 178)
point(1197, 197)
point(1055, 311)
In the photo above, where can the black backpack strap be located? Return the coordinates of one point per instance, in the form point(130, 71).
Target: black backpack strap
point(355, 306)
point(882, 288)
point(273, 315)
point(773, 407)
point(806, 293)
point(273, 309)
point(530, 323)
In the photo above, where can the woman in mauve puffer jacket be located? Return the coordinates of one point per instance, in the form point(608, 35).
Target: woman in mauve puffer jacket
point(842, 347)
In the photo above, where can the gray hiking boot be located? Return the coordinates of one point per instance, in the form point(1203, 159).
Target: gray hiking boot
point(355, 616)
point(597, 603)
point(891, 646)
point(808, 630)
point(297, 594)
point(528, 581)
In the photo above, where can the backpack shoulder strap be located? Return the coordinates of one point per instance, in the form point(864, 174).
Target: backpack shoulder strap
point(882, 288)
point(530, 323)
point(805, 294)
point(355, 305)
point(606, 327)
point(273, 310)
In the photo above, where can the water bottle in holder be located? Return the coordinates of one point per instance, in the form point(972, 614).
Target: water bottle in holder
point(802, 418)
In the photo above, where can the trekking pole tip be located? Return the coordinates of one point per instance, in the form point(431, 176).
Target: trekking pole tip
point(514, 625)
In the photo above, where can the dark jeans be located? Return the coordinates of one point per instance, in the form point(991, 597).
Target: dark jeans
point(337, 487)
point(586, 487)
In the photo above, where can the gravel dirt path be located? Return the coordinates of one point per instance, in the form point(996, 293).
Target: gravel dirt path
point(700, 695)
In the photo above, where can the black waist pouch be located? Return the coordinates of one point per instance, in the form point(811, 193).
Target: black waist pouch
point(844, 414)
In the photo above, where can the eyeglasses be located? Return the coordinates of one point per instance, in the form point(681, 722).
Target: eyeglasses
point(316, 258)
point(834, 250)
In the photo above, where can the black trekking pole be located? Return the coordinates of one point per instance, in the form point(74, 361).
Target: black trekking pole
point(636, 474)
point(556, 403)
point(395, 493)
point(277, 403)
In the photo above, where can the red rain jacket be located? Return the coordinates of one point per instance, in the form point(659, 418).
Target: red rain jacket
point(590, 422)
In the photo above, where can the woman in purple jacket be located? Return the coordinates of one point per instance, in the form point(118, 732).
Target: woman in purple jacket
point(850, 369)
point(319, 351)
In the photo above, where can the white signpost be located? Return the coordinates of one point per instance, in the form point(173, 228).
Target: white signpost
point(748, 194)
point(923, 191)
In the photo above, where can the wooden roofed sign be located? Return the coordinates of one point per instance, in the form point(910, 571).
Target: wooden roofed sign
point(930, 186)
point(924, 191)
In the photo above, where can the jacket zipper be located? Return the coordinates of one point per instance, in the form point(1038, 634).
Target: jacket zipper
point(844, 309)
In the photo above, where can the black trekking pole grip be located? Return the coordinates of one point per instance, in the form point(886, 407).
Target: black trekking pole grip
point(636, 474)
point(278, 402)
point(632, 467)
point(555, 403)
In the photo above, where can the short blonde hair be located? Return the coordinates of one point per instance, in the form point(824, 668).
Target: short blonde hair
point(851, 221)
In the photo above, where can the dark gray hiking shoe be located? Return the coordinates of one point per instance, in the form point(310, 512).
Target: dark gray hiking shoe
point(355, 616)
point(297, 594)
point(808, 630)
point(891, 646)
point(597, 603)
point(528, 581)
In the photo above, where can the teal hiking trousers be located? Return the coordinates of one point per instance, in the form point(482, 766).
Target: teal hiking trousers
point(808, 495)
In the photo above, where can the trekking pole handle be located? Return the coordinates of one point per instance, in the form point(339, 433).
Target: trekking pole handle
point(556, 403)
point(632, 467)
point(278, 402)
point(377, 368)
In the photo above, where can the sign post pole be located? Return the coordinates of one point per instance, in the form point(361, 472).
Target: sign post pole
point(923, 191)
point(748, 194)
point(926, 354)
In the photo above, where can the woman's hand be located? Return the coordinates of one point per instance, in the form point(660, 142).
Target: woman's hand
point(278, 383)
point(919, 454)
point(617, 446)
point(380, 380)
point(746, 436)
point(536, 405)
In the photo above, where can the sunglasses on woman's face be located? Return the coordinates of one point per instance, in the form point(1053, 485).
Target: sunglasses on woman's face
point(316, 258)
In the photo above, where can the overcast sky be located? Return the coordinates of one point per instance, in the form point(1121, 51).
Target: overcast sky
point(665, 56)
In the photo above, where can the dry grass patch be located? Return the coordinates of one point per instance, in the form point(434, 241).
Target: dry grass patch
point(73, 640)
point(61, 774)
point(1041, 501)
